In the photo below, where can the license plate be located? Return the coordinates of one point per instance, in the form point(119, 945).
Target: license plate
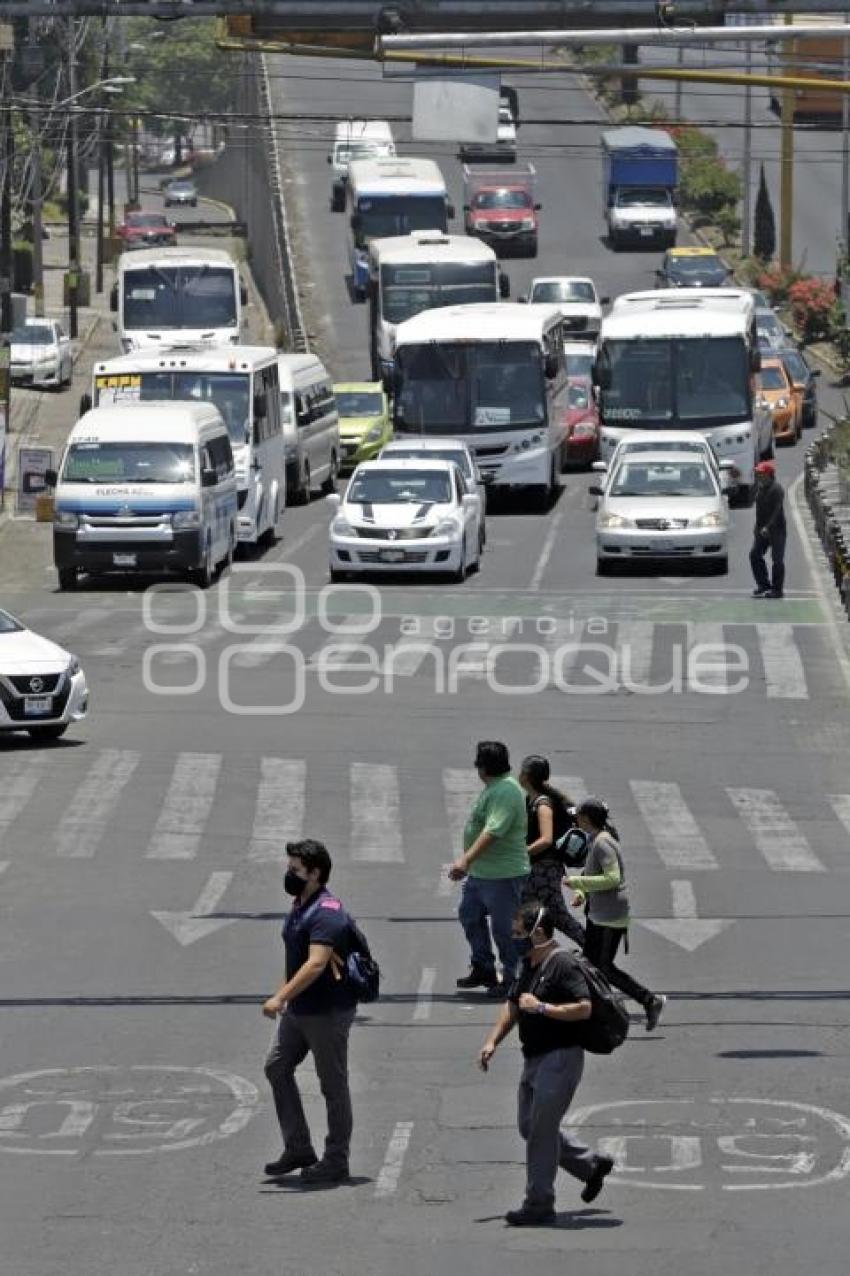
point(662, 544)
point(646, 231)
point(35, 705)
point(124, 560)
point(487, 476)
point(391, 555)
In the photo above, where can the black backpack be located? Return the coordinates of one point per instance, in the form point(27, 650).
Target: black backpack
point(608, 1025)
point(362, 972)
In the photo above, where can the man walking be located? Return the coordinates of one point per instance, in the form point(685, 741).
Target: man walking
point(770, 533)
point(602, 885)
point(493, 868)
point(549, 1001)
point(315, 1009)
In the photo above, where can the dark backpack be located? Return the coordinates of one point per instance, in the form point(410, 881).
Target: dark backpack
point(362, 972)
point(608, 1025)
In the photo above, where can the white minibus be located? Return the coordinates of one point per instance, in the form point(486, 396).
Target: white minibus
point(178, 296)
point(310, 426)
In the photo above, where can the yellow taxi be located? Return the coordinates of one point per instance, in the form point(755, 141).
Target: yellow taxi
point(783, 398)
point(692, 268)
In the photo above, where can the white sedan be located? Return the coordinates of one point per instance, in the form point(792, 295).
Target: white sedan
point(42, 687)
point(40, 354)
point(405, 516)
point(661, 505)
point(576, 298)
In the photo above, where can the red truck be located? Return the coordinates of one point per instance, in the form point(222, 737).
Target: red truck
point(499, 207)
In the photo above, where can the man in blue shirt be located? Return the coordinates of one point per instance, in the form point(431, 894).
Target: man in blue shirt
point(315, 1008)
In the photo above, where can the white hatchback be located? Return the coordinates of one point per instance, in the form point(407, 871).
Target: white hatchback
point(412, 516)
point(661, 505)
point(42, 687)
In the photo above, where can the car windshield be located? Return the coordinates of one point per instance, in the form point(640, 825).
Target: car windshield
point(772, 379)
point(8, 624)
point(181, 186)
point(563, 290)
point(461, 459)
point(359, 403)
point(579, 365)
point(122, 462)
point(661, 478)
point(34, 334)
point(672, 382)
point(146, 219)
point(578, 396)
point(229, 391)
point(483, 385)
point(696, 267)
point(643, 197)
point(348, 151)
point(395, 487)
point(664, 445)
point(408, 290)
point(180, 297)
point(502, 199)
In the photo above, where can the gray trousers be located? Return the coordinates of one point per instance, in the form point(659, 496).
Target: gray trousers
point(326, 1038)
point(546, 1088)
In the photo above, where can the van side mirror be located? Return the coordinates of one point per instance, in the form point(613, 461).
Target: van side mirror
point(551, 366)
point(330, 159)
point(85, 403)
point(208, 478)
point(51, 478)
point(450, 211)
point(243, 294)
point(259, 406)
point(604, 301)
point(504, 285)
point(602, 376)
point(595, 490)
point(113, 297)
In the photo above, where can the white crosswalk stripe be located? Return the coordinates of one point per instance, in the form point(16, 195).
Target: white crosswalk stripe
point(279, 810)
point(775, 834)
point(841, 807)
point(673, 829)
point(785, 677)
point(635, 639)
point(85, 821)
point(21, 778)
point(187, 807)
point(375, 814)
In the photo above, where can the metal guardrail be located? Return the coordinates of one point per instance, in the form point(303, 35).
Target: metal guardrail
point(831, 515)
point(293, 317)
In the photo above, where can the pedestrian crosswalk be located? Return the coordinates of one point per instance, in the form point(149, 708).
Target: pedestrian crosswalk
point(380, 813)
point(776, 659)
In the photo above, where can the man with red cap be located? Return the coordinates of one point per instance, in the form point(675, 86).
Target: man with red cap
point(770, 532)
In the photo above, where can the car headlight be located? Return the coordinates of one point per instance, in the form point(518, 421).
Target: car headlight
point(781, 403)
point(708, 520)
point(186, 519)
point(448, 527)
point(66, 518)
point(373, 435)
point(73, 667)
point(614, 520)
point(341, 527)
point(527, 223)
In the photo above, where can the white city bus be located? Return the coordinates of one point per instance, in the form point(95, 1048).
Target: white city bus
point(242, 382)
point(178, 296)
point(684, 359)
point(425, 271)
point(389, 197)
point(494, 376)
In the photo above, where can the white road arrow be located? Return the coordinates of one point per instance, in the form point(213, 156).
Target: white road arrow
point(685, 929)
point(197, 922)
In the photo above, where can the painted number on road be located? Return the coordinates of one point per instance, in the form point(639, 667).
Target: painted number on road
point(114, 1111)
point(736, 1144)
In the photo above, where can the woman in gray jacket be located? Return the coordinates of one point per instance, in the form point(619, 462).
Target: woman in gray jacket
point(602, 886)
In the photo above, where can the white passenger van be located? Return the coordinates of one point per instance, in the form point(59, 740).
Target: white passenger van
point(178, 296)
point(356, 140)
point(241, 381)
point(147, 488)
point(310, 426)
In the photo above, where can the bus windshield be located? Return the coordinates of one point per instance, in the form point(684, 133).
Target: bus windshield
point(481, 386)
point(384, 216)
point(407, 290)
point(229, 391)
point(180, 297)
point(672, 382)
point(129, 463)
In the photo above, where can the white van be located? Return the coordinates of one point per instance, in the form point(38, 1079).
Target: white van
point(145, 487)
point(310, 426)
point(356, 140)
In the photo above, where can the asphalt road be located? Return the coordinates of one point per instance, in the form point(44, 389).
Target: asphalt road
point(140, 899)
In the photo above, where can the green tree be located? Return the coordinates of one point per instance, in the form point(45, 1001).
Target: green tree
point(764, 228)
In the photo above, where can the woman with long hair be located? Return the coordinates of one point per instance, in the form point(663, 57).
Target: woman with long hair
point(548, 815)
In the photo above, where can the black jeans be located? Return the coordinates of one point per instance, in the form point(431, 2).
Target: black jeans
point(775, 542)
point(600, 947)
point(544, 884)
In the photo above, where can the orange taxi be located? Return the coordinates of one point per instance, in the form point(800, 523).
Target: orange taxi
point(783, 398)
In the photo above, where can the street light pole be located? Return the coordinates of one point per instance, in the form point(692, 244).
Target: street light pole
point(786, 174)
point(73, 206)
point(747, 205)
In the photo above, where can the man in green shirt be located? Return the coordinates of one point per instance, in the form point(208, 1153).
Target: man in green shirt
point(493, 868)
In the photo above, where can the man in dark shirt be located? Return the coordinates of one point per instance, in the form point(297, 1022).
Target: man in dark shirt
point(316, 1009)
point(548, 1000)
point(770, 533)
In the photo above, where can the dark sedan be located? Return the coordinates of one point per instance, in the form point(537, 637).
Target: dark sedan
point(804, 379)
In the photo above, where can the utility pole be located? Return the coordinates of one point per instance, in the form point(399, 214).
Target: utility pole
point(101, 163)
point(845, 154)
point(747, 205)
point(786, 175)
point(6, 193)
point(73, 204)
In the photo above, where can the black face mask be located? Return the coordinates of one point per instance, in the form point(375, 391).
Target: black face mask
point(292, 883)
